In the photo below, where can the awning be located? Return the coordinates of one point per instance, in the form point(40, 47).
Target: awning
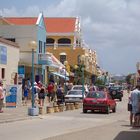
point(49, 59)
point(60, 75)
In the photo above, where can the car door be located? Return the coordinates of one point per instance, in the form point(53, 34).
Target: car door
point(110, 101)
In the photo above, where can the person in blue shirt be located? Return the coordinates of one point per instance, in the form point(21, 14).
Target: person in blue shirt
point(25, 94)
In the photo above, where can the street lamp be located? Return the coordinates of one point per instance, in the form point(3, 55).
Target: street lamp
point(75, 74)
point(83, 81)
point(33, 111)
point(65, 64)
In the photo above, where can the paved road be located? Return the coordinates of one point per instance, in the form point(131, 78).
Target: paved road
point(72, 125)
point(118, 130)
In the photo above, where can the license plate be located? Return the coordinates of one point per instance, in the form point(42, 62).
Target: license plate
point(76, 99)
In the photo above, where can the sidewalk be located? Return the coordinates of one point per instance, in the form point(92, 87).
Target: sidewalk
point(15, 114)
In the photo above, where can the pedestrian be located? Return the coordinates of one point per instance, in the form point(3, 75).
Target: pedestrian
point(135, 99)
point(131, 117)
point(41, 96)
point(25, 95)
point(1, 97)
point(60, 95)
point(50, 90)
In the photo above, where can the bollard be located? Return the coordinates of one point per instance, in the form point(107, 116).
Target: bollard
point(50, 109)
point(61, 108)
point(76, 105)
point(56, 108)
point(72, 106)
point(67, 106)
point(41, 110)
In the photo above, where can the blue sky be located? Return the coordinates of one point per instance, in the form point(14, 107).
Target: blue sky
point(111, 27)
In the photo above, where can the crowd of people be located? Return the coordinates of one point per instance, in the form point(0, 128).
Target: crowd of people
point(52, 93)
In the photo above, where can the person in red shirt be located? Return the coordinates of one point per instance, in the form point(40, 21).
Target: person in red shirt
point(50, 90)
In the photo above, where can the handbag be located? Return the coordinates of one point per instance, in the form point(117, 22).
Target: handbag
point(129, 107)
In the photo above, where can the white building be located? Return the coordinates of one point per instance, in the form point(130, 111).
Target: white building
point(9, 59)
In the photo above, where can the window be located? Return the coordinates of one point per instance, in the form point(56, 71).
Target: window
point(3, 73)
point(11, 39)
point(64, 41)
point(40, 46)
point(44, 47)
point(62, 58)
point(49, 41)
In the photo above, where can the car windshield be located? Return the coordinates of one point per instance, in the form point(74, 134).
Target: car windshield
point(115, 88)
point(75, 92)
point(77, 88)
point(96, 95)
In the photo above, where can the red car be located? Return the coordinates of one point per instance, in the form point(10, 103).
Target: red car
point(99, 100)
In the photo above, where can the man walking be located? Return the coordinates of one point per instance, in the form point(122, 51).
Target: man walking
point(135, 100)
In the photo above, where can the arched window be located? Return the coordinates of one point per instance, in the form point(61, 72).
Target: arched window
point(63, 57)
point(50, 41)
point(64, 41)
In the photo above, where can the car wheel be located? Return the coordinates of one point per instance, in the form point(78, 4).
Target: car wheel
point(108, 110)
point(114, 109)
point(84, 111)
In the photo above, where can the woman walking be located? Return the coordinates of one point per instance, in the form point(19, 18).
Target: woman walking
point(41, 96)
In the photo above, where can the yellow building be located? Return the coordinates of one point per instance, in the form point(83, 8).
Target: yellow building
point(64, 41)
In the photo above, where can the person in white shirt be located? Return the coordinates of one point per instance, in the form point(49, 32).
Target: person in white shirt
point(135, 100)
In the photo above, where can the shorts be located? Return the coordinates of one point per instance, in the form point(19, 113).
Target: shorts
point(135, 109)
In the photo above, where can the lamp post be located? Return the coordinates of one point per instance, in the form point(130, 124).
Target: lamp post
point(33, 111)
point(65, 64)
point(83, 81)
point(75, 73)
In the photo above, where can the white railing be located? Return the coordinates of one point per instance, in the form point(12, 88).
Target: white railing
point(62, 45)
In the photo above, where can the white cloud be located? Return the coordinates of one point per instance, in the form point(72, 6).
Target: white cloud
point(108, 26)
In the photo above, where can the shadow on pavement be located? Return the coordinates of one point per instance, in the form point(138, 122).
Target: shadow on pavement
point(128, 135)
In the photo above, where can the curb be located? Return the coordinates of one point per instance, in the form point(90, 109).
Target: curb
point(19, 119)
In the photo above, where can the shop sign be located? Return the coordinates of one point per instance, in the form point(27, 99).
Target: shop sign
point(3, 55)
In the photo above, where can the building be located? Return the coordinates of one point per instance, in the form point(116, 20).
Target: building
point(63, 39)
point(9, 59)
point(22, 31)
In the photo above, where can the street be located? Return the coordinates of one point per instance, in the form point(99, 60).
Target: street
point(74, 125)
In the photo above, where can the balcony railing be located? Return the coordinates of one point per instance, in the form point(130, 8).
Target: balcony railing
point(62, 45)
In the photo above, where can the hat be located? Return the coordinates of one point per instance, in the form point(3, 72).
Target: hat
point(35, 83)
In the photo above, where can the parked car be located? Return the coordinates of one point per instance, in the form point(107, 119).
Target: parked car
point(79, 87)
point(99, 100)
point(116, 92)
point(74, 96)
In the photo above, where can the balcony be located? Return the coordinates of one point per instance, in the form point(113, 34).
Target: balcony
point(55, 45)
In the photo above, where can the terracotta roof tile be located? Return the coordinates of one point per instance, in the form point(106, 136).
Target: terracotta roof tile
point(57, 25)
point(22, 20)
point(53, 25)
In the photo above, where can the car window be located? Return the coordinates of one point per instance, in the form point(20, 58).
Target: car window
point(75, 93)
point(77, 88)
point(115, 88)
point(95, 95)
